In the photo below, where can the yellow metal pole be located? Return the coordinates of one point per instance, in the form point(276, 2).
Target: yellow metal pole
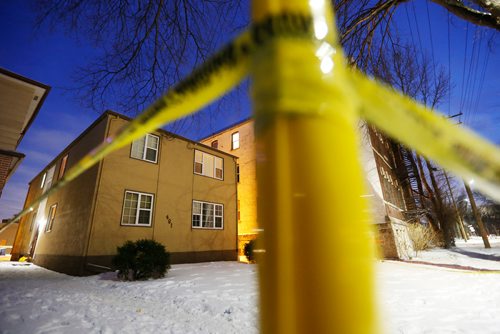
point(316, 272)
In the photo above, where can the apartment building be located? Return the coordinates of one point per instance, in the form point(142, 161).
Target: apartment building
point(239, 140)
point(163, 187)
point(384, 181)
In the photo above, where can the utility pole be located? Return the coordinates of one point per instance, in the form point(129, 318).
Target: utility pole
point(460, 221)
point(479, 221)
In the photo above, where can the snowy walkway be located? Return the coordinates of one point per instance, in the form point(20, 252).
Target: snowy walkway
point(222, 297)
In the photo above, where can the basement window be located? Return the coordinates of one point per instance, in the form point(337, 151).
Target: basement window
point(146, 148)
point(137, 209)
point(208, 215)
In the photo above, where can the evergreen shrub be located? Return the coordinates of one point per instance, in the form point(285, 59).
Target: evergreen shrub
point(248, 251)
point(141, 260)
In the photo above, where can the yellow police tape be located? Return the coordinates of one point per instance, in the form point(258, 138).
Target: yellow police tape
point(305, 95)
point(223, 71)
point(409, 122)
point(455, 148)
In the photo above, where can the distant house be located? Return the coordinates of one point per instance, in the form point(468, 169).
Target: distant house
point(164, 187)
point(386, 185)
point(20, 100)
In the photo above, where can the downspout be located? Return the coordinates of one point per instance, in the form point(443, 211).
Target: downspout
point(155, 207)
point(20, 224)
point(94, 200)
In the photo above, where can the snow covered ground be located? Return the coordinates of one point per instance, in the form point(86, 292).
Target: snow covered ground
point(222, 298)
point(418, 298)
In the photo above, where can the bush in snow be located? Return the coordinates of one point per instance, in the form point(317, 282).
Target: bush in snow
point(423, 236)
point(248, 251)
point(141, 260)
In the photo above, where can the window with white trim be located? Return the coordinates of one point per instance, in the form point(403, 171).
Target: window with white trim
point(146, 148)
point(62, 167)
point(33, 218)
point(235, 140)
point(208, 165)
point(50, 218)
point(137, 209)
point(208, 215)
point(43, 180)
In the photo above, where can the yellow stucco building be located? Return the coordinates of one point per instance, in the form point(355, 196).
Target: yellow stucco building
point(382, 172)
point(163, 187)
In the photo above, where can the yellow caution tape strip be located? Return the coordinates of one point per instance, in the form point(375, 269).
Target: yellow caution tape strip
point(225, 70)
point(455, 148)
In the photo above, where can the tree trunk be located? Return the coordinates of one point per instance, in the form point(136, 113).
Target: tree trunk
point(430, 192)
point(449, 240)
point(479, 221)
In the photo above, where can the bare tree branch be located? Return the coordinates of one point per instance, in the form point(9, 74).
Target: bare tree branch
point(489, 19)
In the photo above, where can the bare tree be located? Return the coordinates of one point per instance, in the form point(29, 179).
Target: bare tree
point(366, 26)
point(414, 76)
point(149, 45)
point(146, 46)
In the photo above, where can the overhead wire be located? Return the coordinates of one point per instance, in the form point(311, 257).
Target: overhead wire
point(470, 74)
point(461, 107)
point(432, 43)
point(449, 65)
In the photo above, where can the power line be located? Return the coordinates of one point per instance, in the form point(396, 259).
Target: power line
point(471, 77)
point(476, 74)
point(481, 82)
point(463, 69)
point(432, 43)
point(449, 65)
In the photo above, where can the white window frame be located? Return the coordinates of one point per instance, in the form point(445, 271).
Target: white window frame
point(235, 140)
point(200, 215)
point(51, 217)
point(138, 208)
point(145, 148)
point(43, 180)
point(33, 219)
point(62, 166)
point(204, 170)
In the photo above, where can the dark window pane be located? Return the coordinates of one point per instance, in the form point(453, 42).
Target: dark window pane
point(218, 173)
point(150, 154)
point(198, 167)
point(143, 217)
point(196, 221)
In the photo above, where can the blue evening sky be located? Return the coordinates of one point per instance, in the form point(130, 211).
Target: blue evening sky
point(51, 57)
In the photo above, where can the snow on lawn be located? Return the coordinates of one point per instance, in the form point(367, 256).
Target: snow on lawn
point(222, 297)
point(469, 253)
point(196, 298)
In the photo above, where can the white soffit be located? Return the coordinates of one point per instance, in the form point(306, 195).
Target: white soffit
point(20, 100)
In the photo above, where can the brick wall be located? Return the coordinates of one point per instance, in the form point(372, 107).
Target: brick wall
point(5, 164)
